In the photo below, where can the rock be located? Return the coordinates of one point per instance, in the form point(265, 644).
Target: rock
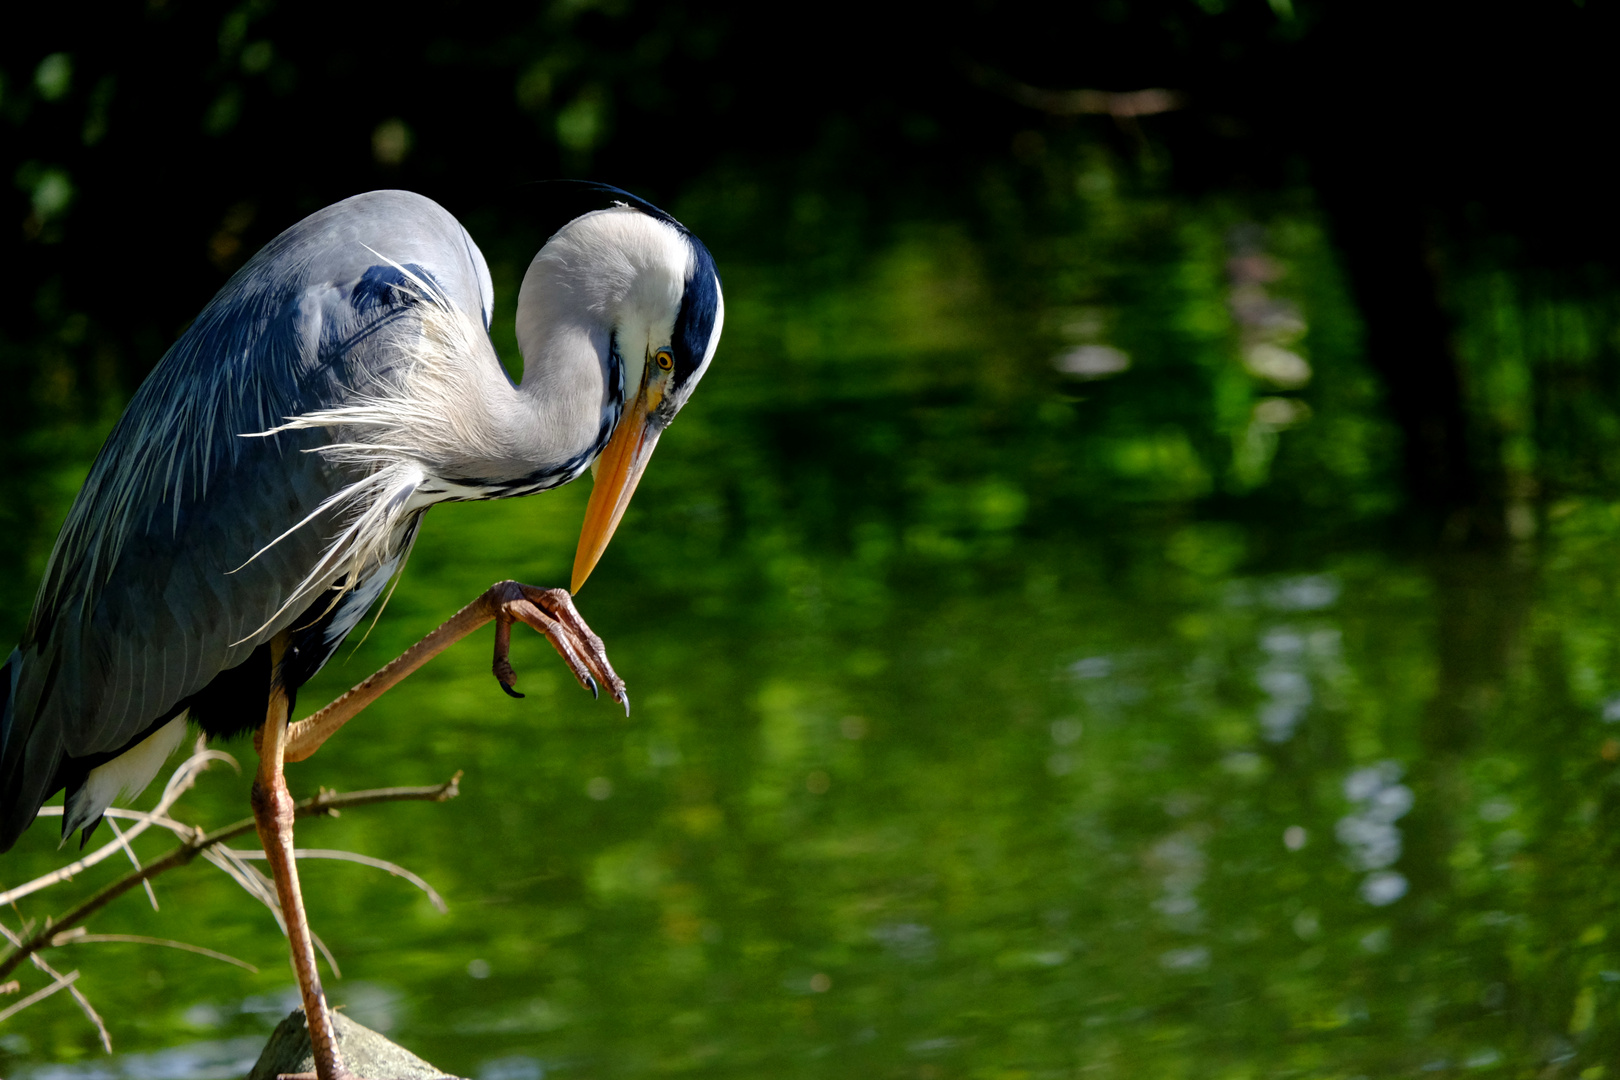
point(365, 1053)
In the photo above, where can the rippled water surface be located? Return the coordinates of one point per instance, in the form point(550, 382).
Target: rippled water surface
point(1024, 686)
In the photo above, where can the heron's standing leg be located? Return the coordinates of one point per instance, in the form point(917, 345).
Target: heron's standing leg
point(550, 611)
point(273, 814)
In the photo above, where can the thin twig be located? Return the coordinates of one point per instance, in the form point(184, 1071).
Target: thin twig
point(252, 882)
point(364, 860)
point(84, 1005)
point(1121, 105)
point(129, 815)
point(83, 1002)
point(134, 861)
point(77, 936)
point(261, 885)
point(262, 888)
point(37, 995)
point(324, 803)
point(331, 961)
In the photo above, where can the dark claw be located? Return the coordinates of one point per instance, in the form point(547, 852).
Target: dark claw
point(509, 691)
point(624, 696)
point(591, 684)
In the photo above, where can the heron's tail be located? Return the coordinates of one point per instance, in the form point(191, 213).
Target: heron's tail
point(27, 764)
point(10, 756)
point(7, 677)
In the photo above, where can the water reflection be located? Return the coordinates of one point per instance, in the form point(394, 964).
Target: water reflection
point(1370, 833)
point(225, 1059)
point(970, 739)
point(1283, 678)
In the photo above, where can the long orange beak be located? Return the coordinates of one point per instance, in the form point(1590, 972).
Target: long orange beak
point(618, 471)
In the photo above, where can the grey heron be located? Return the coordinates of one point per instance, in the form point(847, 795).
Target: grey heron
point(269, 477)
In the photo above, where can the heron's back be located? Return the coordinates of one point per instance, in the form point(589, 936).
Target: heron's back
point(192, 544)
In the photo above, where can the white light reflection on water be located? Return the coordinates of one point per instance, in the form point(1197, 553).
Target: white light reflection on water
point(217, 1059)
point(1195, 958)
point(1287, 687)
point(1292, 651)
point(1092, 667)
point(1093, 362)
point(1181, 861)
point(1370, 834)
point(911, 942)
point(1065, 733)
point(1306, 592)
point(517, 1067)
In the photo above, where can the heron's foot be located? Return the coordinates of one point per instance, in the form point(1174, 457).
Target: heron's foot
point(552, 612)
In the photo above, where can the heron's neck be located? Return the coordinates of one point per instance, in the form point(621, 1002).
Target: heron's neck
point(572, 394)
point(615, 271)
point(479, 436)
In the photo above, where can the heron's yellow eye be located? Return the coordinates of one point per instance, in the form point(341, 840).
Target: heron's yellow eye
point(665, 360)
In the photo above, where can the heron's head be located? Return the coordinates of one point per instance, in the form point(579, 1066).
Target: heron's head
point(661, 298)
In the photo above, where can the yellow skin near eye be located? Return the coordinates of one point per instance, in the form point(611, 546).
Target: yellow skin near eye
point(665, 360)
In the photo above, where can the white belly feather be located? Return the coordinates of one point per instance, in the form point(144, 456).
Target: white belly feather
point(126, 776)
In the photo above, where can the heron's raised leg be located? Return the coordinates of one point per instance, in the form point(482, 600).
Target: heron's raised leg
point(273, 813)
point(550, 611)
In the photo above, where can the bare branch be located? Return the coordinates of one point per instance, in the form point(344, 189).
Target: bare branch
point(90, 1013)
point(134, 861)
point(77, 936)
point(326, 802)
point(252, 882)
point(179, 783)
point(364, 860)
point(37, 995)
point(1120, 105)
point(179, 828)
point(83, 1002)
point(261, 887)
point(331, 961)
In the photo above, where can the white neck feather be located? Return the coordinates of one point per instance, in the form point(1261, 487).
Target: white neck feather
point(611, 272)
point(450, 424)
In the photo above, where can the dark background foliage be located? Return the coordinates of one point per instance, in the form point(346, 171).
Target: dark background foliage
point(161, 144)
point(964, 675)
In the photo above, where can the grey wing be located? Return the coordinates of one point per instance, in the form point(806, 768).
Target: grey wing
point(192, 544)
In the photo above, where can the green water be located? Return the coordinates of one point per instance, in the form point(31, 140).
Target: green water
point(989, 721)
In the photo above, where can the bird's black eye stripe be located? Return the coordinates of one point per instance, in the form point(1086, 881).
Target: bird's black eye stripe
point(694, 325)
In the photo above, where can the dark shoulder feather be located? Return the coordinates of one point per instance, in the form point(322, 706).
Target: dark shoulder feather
point(160, 578)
